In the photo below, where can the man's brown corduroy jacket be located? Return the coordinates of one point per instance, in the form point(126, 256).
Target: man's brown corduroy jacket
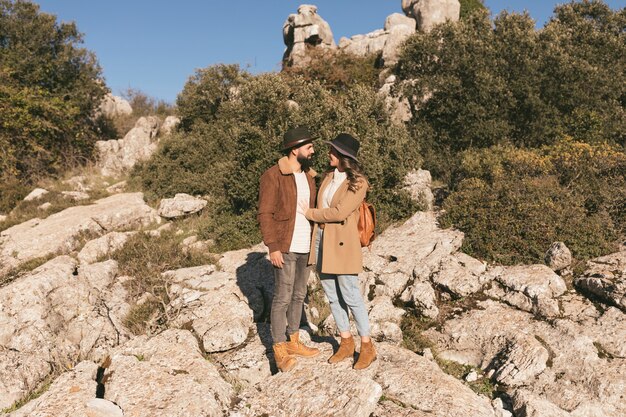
point(277, 204)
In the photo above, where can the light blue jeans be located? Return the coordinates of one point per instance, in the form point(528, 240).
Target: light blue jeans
point(343, 293)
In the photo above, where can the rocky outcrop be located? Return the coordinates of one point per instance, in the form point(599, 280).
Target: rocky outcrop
point(418, 184)
point(169, 125)
point(102, 247)
point(605, 278)
point(429, 13)
point(558, 256)
point(36, 194)
point(61, 232)
point(113, 106)
point(303, 30)
point(398, 107)
point(561, 365)
point(117, 156)
point(54, 316)
point(181, 205)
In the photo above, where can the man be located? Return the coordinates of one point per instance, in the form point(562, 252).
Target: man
point(287, 235)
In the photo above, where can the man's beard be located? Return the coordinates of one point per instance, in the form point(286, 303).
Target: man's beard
point(305, 163)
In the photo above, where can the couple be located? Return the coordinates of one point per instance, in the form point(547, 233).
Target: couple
point(289, 217)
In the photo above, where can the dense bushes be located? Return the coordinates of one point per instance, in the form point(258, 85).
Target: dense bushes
point(223, 151)
point(49, 89)
point(513, 203)
point(486, 83)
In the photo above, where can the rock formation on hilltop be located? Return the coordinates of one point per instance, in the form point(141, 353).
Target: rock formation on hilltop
point(307, 29)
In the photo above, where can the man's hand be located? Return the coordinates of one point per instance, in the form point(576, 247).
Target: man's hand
point(276, 258)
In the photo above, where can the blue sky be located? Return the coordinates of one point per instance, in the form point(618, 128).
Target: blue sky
point(155, 45)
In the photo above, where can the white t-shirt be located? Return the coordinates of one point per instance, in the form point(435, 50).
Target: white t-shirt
point(301, 239)
point(329, 192)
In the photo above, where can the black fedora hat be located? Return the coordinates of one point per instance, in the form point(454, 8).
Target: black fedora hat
point(346, 144)
point(296, 137)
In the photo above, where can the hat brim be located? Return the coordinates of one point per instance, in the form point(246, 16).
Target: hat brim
point(298, 142)
point(342, 151)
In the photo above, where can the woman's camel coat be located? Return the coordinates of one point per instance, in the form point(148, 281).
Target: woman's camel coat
point(341, 245)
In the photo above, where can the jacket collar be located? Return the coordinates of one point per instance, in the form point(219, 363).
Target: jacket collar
point(285, 168)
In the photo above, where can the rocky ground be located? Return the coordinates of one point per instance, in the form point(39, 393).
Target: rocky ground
point(490, 341)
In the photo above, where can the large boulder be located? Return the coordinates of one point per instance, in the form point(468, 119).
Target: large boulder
point(558, 256)
point(429, 13)
point(181, 205)
point(118, 156)
point(303, 30)
point(532, 288)
point(418, 184)
point(61, 232)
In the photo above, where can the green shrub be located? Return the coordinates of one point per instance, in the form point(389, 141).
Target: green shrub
point(513, 203)
point(505, 82)
point(469, 6)
point(224, 155)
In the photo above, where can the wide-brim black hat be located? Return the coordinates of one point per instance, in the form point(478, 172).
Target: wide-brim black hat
point(346, 144)
point(296, 137)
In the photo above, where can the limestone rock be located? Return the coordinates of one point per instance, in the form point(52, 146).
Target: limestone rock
point(79, 183)
point(418, 184)
point(211, 303)
point(576, 377)
point(117, 156)
point(398, 19)
point(397, 35)
point(532, 288)
point(423, 297)
point(166, 376)
point(605, 278)
point(113, 106)
point(70, 395)
point(103, 246)
point(461, 275)
point(385, 320)
point(429, 13)
point(3, 217)
point(558, 256)
point(399, 107)
point(52, 316)
point(181, 205)
point(319, 389)
point(45, 206)
point(60, 232)
point(303, 30)
point(420, 384)
point(169, 125)
point(36, 194)
point(75, 195)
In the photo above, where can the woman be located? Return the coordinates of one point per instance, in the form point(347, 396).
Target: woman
point(338, 249)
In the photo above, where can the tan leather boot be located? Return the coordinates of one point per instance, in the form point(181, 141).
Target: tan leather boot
point(346, 350)
point(284, 361)
point(366, 356)
point(297, 348)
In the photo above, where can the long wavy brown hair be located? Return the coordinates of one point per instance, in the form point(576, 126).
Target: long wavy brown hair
point(353, 170)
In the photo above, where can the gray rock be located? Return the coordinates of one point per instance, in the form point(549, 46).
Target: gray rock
point(558, 256)
point(211, 303)
point(420, 384)
point(113, 106)
point(461, 275)
point(166, 376)
point(181, 205)
point(303, 30)
point(605, 278)
point(78, 183)
point(532, 288)
point(45, 206)
point(118, 187)
point(429, 13)
point(60, 232)
point(397, 106)
point(53, 316)
point(418, 184)
point(118, 156)
point(398, 19)
point(103, 246)
point(391, 48)
point(169, 124)
point(36, 194)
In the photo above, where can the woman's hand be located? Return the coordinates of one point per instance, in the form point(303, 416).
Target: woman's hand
point(303, 206)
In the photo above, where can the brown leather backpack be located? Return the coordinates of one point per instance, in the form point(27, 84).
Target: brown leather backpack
point(366, 223)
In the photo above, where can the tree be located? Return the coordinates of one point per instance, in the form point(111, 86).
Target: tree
point(49, 91)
